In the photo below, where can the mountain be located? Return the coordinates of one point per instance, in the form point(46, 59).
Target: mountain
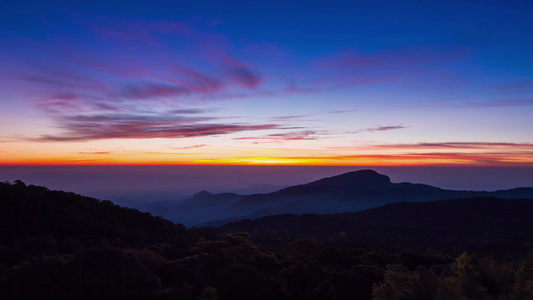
point(477, 223)
point(352, 191)
point(60, 245)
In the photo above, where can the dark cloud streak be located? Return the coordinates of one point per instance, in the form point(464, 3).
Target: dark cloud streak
point(290, 136)
point(125, 126)
point(380, 128)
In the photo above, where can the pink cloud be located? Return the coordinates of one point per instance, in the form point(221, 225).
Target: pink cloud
point(241, 73)
point(189, 147)
point(199, 82)
point(127, 126)
point(95, 152)
point(456, 145)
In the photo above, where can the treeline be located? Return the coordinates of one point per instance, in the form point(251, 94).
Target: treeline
point(57, 245)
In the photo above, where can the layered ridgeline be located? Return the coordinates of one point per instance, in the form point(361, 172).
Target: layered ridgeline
point(488, 225)
point(60, 245)
point(349, 192)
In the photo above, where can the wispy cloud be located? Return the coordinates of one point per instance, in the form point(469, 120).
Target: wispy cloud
point(153, 90)
point(379, 128)
point(188, 147)
point(406, 159)
point(455, 145)
point(294, 117)
point(485, 158)
point(288, 136)
point(95, 152)
point(241, 72)
point(125, 126)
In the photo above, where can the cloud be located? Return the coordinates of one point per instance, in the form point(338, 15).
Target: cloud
point(62, 78)
point(406, 159)
point(380, 128)
point(241, 73)
point(290, 117)
point(289, 136)
point(95, 152)
point(127, 126)
point(188, 111)
point(495, 158)
point(153, 90)
point(189, 147)
point(456, 145)
point(385, 128)
point(197, 81)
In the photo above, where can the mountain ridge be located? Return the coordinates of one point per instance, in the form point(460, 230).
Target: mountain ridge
point(479, 223)
point(351, 191)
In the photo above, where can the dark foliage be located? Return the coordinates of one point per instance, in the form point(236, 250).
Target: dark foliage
point(502, 227)
point(57, 245)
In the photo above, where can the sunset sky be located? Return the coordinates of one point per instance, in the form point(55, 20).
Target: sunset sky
point(352, 83)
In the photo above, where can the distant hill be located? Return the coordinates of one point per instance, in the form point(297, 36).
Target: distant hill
point(475, 223)
point(355, 191)
point(60, 245)
point(349, 192)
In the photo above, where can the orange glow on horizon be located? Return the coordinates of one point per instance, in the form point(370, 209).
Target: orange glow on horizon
point(362, 160)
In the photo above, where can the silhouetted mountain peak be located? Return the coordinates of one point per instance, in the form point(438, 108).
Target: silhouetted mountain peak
point(361, 178)
point(203, 195)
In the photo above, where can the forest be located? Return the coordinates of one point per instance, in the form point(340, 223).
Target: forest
point(61, 245)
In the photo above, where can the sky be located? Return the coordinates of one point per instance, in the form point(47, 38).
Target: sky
point(331, 83)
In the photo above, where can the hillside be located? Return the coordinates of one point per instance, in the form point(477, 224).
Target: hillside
point(31, 211)
point(474, 223)
point(349, 192)
point(355, 191)
point(60, 245)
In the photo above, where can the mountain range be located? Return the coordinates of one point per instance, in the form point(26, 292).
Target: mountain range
point(60, 245)
point(486, 224)
point(349, 192)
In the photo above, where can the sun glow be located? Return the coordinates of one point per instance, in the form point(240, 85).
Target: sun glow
point(260, 161)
